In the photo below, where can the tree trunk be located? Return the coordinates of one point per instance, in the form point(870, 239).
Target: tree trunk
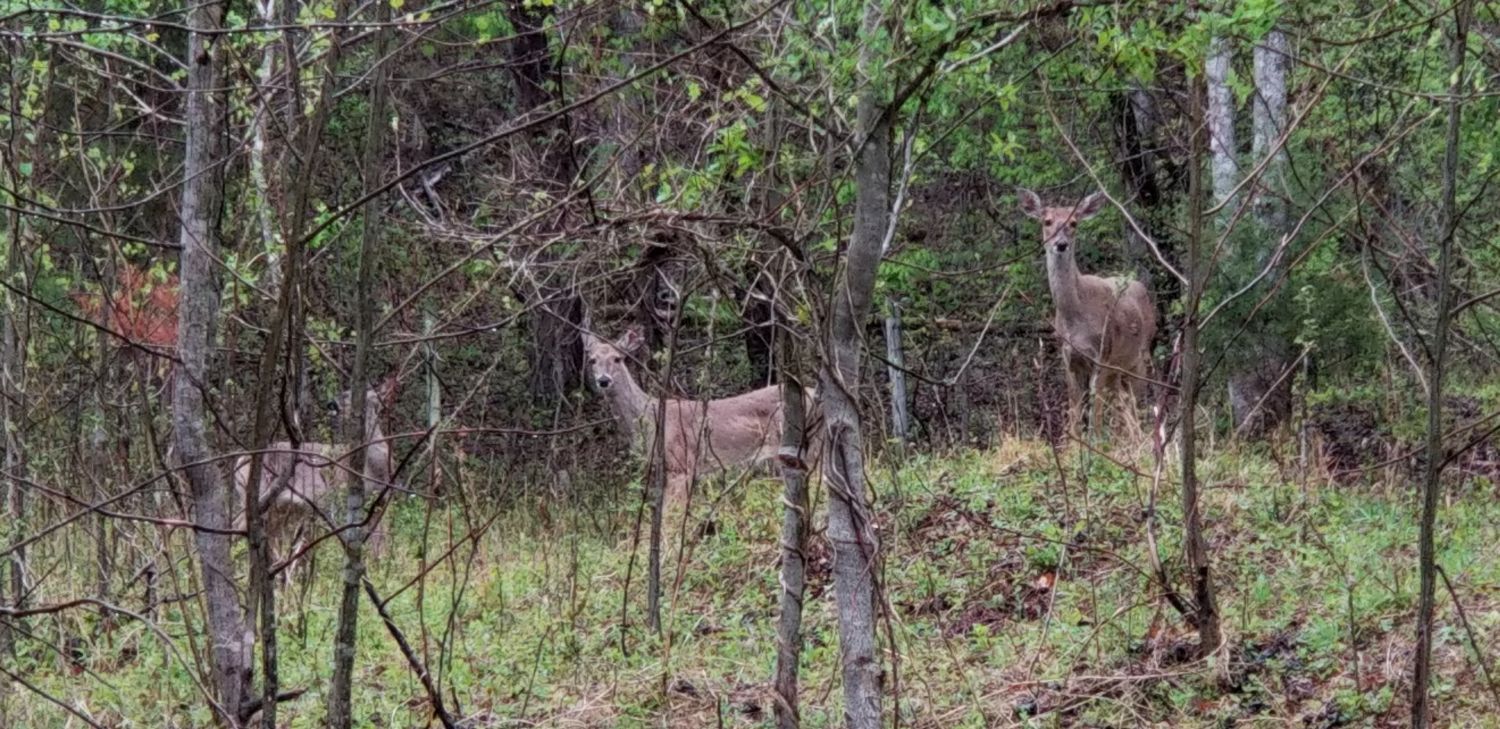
point(1136, 129)
point(760, 328)
point(556, 312)
point(340, 708)
point(197, 309)
point(1421, 709)
point(266, 10)
point(896, 357)
point(1220, 120)
point(1260, 398)
point(12, 412)
point(763, 294)
point(794, 523)
point(850, 528)
point(1206, 609)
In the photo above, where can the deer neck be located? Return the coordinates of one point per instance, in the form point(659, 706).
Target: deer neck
point(1062, 279)
point(631, 406)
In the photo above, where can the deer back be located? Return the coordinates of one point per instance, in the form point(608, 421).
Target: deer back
point(712, 435)
point(312, 481)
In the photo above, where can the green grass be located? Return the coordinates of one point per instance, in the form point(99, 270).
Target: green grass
point(1020, 596)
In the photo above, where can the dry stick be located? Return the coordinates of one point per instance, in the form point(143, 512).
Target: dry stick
point(110, 608)
point(1385, 322)
point(433, 694)
point(53, 699)
point(1349, 584)
point(1484, 666)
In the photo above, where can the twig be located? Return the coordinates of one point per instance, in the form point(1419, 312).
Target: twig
point(1484, 666)
point(53, 699)
point(433, 694)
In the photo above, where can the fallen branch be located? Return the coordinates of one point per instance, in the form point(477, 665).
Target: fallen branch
point(433, 694)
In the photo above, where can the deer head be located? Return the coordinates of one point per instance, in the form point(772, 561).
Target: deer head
point(377, 400)
point(606, 360)
point(1059, 222)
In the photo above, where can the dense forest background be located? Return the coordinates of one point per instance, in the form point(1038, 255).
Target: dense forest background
point(215, 218)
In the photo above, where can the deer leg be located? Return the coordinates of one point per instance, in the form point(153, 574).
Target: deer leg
point(1076, 377)
point(1128, 408)
point(1102, 400)
point(677, 489)
point(289, 570)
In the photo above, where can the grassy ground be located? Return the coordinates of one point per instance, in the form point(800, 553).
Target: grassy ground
point(1019, 594)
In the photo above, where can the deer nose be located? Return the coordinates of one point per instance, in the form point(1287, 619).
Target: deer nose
point(603, 381)
point(1061, 246)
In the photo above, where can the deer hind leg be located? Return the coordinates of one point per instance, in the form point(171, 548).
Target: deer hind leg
point(1102, 400)
point(677, 489)
point(1129, 412)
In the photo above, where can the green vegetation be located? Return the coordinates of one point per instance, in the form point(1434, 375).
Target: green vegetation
point(1012, 594)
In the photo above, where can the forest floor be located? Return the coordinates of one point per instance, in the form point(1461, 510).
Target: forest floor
point(1020, 594)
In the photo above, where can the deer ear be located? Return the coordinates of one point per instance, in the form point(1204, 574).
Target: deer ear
point(632, 341)
point(1031, 205)
point(1091, 205)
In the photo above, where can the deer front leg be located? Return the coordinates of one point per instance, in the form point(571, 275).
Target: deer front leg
point(1076, 381)
point(1081, 398)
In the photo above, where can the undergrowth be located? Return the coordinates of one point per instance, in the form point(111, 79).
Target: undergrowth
point(1020, 586)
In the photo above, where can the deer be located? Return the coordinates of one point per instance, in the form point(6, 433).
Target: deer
point(701, 437)
point(299, 487)
point(1104, 326)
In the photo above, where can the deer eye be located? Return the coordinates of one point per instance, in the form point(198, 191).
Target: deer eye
point(592, 360)
point(1072, 224)
point(619, 360)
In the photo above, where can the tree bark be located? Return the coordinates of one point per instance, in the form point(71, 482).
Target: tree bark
point(230, 648)
point(896, 357)
point(12, 412)
point(1220, 120)
point(760, 328)
point(556, 311)
point(1136, 128)
point(850, 527)
point(1206, 609)
point(1421, 709)
point(340, 708)
point(266, 10)
point(1260, 398)
point(794, 523)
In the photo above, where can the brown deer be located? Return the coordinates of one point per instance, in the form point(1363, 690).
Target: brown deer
point(1104, 325)
point(701, 437)
point(299, 488)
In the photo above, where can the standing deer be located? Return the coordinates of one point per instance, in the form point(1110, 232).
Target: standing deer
point(701, 437)
point(1104, 325)
point(299, 488)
